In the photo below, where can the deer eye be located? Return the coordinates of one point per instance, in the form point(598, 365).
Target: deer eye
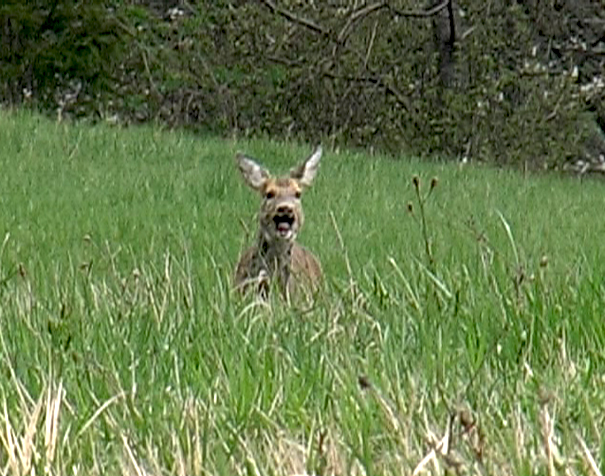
point(269, 195)
point(297, 194)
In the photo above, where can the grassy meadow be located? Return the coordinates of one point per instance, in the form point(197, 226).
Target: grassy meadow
point(460, 329)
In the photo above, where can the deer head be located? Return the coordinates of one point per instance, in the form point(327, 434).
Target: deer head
point(281, 215)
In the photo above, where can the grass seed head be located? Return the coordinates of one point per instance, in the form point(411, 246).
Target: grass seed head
point(364, 382)
point(416, 181)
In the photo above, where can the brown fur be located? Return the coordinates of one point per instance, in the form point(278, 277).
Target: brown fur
point(276, 257)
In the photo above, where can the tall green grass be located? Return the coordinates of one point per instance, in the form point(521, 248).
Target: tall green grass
point(460, 328)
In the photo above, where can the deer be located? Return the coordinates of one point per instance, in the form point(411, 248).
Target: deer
point(277, 259)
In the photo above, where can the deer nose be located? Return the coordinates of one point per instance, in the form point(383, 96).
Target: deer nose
point(284, 209)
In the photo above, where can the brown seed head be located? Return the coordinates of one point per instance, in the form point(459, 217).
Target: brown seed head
point(416, 181)
point(364, 382)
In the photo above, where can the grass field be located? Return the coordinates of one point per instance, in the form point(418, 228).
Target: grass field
point(464, 336)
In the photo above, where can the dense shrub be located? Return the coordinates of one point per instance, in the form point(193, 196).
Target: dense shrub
point(371, 75)
point(65, 50)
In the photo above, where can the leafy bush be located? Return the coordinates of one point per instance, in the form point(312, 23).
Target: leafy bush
point(68, 50)
point(369, 76)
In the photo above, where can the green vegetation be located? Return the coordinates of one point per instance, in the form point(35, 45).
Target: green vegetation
point(509, 83)
point(123, 351)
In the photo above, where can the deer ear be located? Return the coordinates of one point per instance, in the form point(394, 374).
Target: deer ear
point(254, 174)
point(305, 173)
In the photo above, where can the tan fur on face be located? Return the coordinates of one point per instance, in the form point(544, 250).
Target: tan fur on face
point(276, 256)
point(281, 194)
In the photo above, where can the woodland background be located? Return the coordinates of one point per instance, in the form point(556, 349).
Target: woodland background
point(509, 82)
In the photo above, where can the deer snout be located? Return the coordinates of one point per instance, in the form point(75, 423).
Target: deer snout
point(285, 218)
point(285, 210)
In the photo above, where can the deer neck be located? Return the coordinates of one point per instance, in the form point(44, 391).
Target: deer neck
point(276, 257)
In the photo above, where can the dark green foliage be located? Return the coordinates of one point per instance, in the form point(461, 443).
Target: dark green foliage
point(319, 72)
point(57, 50)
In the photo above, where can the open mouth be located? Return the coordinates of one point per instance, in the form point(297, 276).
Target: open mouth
point(284, 224)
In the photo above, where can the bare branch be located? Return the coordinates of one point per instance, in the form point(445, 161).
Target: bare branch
point(377, 80)
point(370, 46)
point(355, 16)
point(341, 38)
point(296, 19)
point(375, 7)
point(419, 13)
point(362, 12)
point(450, 13)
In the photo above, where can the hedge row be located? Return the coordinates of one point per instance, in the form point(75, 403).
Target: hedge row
point(473, 80)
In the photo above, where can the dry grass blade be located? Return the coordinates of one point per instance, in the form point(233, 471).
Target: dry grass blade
point(547, 435)
point(29, 448)
point(411, 295)
point(53, 406)
point(590, 462)
point(179, 457)
point(441, 448)
point(10, 444)
point(133, 465)
point(21, 451)
point(100, 410)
